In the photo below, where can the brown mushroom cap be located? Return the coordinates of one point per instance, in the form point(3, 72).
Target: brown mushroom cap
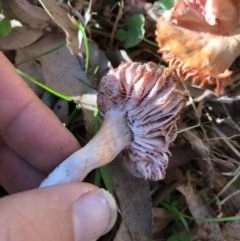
point(201, 39)
point(152, 104)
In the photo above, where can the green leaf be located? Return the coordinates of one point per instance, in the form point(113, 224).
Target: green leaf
point(166, 4)
point(135, 32)
point(122, 35)
point(97, 121)
point(97, 177)
point(5, 27)
point(177, 237)
point(106, 179)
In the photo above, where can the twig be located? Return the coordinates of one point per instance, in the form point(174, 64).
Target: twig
point(220, 138)
point(225, 139)
point(230, 196)
point(227, 185)
point(120, 12)
point(230, 118)
point(194, 107)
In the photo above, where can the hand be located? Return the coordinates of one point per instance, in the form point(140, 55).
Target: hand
point(32, 143)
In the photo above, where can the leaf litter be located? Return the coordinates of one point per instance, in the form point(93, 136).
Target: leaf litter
point(202, 180)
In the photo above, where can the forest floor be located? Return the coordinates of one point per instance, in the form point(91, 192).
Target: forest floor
point(199, 199)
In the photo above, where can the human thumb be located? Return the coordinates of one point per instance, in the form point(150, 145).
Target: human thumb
point(67, 212)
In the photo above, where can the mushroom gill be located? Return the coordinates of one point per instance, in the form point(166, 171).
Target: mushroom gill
point(201, 39)
point(152, 104)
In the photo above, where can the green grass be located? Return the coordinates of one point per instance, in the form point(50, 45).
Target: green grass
point(170, 203)
point(43, 54)
point(85, 40)
point(37, 82)
point(45, 87)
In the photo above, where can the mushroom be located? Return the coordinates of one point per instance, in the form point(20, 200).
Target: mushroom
point(201, 39)
point(140, 106)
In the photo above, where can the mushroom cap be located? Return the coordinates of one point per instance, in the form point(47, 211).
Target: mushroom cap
point(152, 104)
point(201, 39)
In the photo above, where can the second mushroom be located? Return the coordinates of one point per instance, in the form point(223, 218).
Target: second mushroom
point(140, 106)
point(201, 39)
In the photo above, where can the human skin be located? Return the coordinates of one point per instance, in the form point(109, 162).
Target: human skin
point(32, 143)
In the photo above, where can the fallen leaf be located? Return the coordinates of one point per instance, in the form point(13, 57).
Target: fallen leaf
point(59, 13)
point(232, 205)
point(231, 231)
point(19, 37)
point(200, 209)
point(135, 6)
point(134, 199)
point(161, 219)
point(61, 70)
point(162, 193)
point(99, 61)
point(61, 110)
point(48, 99)
point(29, 15)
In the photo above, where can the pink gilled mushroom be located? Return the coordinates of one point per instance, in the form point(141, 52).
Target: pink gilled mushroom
point(140, 106)
point(201, 39)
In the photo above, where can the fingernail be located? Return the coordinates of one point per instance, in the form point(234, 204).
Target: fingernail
point(94, 214)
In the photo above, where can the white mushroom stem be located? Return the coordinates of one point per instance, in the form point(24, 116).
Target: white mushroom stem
point(113, 136)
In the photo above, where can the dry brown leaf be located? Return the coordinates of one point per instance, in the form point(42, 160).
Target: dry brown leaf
point(48, 99)
point(19, 37)
point(161, 219)
point(61, 110)
point(200, 209)
point(61, 70)
point(59, 13)
point(29, 15)
point(136, 6)
point(232, 205)
point(231, 230)
point(134, 199)
point(98, 59)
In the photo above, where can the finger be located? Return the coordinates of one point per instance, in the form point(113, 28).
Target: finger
point(27, 126)
point(16, 174)
point(74, 212)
